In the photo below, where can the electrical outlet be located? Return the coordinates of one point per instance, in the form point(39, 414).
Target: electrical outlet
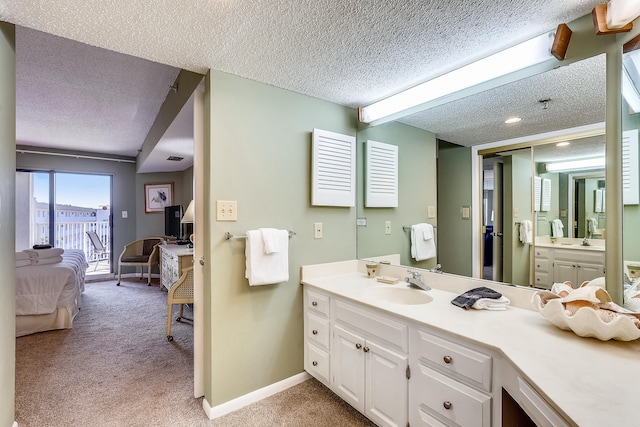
point(226, 210)
point(387, 227)
point(431, 211)
point(317, 230)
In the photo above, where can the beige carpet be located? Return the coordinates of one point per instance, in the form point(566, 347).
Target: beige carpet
point(116, 368)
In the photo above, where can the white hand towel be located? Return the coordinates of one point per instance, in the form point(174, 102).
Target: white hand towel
point(271, 238)
point(262, 268)
point(44, 253)
point(526, 232)
point(46, 261)
point(556, 228)
point(592, 225)
point(21, 256)
point(22, 262)
point(492, 304)
point(421, 247)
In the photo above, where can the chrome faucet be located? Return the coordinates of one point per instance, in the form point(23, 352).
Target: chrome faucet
point(415, 280)
point(585, 242)
point(436, 269)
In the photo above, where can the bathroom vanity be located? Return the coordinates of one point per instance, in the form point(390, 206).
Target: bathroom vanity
point(401, 355)
point(567, 261)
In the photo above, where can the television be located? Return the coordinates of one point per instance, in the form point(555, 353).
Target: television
point(172, 217)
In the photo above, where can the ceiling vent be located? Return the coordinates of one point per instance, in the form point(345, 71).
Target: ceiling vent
point(175, 158)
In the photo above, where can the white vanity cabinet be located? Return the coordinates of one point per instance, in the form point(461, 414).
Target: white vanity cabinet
point(577, 266)
point(317, 335)
point(450, 384)
point(370, 364)
point(558, 265)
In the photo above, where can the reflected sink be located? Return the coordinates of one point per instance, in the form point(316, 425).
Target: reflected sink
point(406, 296)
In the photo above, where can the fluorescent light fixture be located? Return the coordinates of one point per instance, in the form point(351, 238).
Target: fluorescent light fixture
point(594, 163)
point(513, 120)
point(563, 144)
point(630, 92)
point(621, 12)
point(518, 57)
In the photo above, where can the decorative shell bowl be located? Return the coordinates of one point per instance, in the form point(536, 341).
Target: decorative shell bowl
point(586, 322)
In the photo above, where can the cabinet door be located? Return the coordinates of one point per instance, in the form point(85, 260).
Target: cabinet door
point(386, 386)
point(588, 272)
point(564, 271)
point(347, 363)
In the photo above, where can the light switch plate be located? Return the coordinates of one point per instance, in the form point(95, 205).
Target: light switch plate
point(317, 230)
point(226, 210)
point(431, 211)
point(387, 227)
point(125, 214)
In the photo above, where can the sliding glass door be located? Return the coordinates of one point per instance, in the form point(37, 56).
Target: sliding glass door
point(62, 209)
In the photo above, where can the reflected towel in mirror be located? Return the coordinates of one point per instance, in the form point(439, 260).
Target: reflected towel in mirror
point(556, 228)
point(422, 243)
point(526, 232)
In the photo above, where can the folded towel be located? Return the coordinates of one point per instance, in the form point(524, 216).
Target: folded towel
point(263, 268)
point(556, 228)
point(271, 238)
point(22, 263)
point(46, 261)
point(491, 303)
point(22, 256)
point(44, 253)
point(526, 232)
point(422, 247)
point(592, 225)
point(467, 299)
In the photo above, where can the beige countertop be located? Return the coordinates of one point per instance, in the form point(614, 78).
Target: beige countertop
point(592, 382)
point(569, 243)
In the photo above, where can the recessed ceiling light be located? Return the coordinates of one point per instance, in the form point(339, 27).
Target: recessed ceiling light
point(513, 120)
point(562, 144)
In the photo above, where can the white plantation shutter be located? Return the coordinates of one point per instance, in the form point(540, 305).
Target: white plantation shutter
point(381, 175)
point(333, 169)
point(630, 190)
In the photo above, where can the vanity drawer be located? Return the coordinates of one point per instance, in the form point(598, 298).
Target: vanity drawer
point(374, 325)
point(317, 302)
point(452, 400)
point(456, 360)
point(542, 253)
point(541, 264)
point(317, 363)
point(318, 330)
point(542, 280)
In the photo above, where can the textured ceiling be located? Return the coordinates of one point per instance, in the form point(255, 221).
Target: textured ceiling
point(350, 52)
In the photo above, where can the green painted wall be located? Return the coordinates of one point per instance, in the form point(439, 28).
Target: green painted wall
point(631, 215)
point(454, 191)
point(259, 145)
point(7, 222)
point(417, 190)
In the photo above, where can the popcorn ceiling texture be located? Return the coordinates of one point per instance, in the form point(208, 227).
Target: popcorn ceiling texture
point(350, 52)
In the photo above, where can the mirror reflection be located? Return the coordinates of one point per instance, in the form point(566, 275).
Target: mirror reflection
point(631, 212)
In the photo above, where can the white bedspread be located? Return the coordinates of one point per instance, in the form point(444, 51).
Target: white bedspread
point(41, 289)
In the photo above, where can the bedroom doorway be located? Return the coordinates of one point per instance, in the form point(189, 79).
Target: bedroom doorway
point(68, 211)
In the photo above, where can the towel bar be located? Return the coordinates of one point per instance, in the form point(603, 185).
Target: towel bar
point(408, 227)
point(228, 235)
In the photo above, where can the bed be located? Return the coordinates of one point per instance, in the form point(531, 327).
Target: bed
point(48, 297)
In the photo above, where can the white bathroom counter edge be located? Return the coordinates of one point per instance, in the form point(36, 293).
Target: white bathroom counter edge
point(582, 377)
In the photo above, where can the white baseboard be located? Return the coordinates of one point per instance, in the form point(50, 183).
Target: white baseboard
point(254, 396)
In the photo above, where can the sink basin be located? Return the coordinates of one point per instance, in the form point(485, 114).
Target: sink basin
point(406, 296)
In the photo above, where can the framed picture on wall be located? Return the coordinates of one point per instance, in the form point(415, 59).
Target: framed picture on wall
point(157, 195)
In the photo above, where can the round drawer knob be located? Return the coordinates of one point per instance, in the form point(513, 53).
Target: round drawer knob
point(358, 346)
point(314, 303)
point(447, 359)
point(447, 405)
point(314, 363)
point(366, 349)
point(314, 332)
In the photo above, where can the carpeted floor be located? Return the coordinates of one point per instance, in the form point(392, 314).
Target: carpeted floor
point(116, 368)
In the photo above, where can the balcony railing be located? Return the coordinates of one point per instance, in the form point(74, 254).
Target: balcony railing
point(73, 235)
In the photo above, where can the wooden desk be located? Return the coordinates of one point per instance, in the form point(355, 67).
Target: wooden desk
point(173, 258)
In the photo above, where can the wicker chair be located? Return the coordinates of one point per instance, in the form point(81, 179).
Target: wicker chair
point(180, 293)
point(142, 252)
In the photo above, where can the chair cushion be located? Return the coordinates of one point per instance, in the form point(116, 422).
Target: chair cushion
point(135, 258)
point(147, 246)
